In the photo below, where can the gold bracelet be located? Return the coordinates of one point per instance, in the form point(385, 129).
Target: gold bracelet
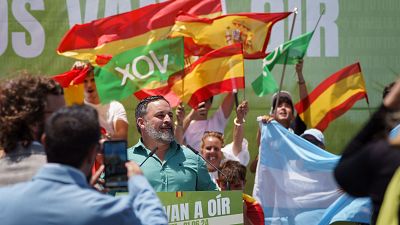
point(236, 122)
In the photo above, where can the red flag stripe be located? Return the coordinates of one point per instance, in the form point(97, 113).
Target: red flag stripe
point(133, 23)
point(348, 71)
point(226, 51)
point(262, 17)
point(339, 110)
point(215, 88)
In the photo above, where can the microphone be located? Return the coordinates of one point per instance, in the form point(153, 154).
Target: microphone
point(219, 171)
point(150, 155)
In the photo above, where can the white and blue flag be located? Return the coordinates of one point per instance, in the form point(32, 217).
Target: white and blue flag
point(295, 184)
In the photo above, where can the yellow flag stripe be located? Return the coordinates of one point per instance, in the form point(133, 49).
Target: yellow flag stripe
point(332, 97)
point(213, 34)
point(116, 47)
point(209, 72)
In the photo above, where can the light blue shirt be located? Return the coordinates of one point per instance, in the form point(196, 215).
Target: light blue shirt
point(60, 194)
point(181, 170)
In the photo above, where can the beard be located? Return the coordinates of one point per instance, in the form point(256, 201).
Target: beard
point(164, 136)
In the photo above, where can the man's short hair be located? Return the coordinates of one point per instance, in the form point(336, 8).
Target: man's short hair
point(71, 133)
point(141, 108)
point(284, 96)
point(23, 101)
point(233, 170)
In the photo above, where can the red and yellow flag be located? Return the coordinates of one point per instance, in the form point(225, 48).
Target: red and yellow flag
point(72, 83)
point(157, 88)
point(203, 35)
point(216, 72)
point(333, 97)
point(118, 33)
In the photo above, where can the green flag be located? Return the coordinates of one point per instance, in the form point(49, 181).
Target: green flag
point(294, 49)
point(144, 66)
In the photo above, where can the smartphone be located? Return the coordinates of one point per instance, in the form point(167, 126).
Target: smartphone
point(115, 156)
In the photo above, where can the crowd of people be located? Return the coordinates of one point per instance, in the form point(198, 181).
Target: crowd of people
point(51, 154)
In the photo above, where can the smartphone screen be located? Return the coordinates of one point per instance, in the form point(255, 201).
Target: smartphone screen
point(115, 156)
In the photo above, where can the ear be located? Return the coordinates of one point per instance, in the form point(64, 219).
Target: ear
point(140, 122)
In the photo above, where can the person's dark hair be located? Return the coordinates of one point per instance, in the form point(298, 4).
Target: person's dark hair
point(71, 133)
point(387, 89)
point(284, 97)
point(233, 170)
point(141, 108)
point(22, 107)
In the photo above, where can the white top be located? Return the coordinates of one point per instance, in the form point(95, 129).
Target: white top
point(243, 157)
point(109, 114)
point(214, 176)
point(196, 129)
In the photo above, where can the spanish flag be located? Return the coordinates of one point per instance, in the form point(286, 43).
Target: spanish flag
point(118, 33)
point(158, 88)
point(203, 35)
point(216, 72)
point(72, 83)
point(333, 97)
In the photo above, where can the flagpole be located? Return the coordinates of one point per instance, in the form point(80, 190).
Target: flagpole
point(316, 25)
point(235, 94)
point(284, 65)
point(244, 78)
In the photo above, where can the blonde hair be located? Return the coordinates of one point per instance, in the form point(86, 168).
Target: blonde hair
point(215, 134)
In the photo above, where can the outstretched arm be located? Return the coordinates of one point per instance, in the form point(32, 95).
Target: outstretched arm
point(303, 93)
point(238, 132)
point(180, 115)
point(227, 105)
point(121, 130)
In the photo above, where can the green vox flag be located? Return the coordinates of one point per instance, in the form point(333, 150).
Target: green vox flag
point(295, 49)
point(141, 67)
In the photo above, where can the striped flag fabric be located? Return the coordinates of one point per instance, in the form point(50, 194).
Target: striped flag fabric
point(118, 33)
point(333, 97)
point(158, 88)
point(72, 83)
point(203, 35)
point(295, 184)
point(216, 72)
point(140, 67)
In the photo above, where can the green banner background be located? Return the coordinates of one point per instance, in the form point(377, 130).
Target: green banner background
point(358, 30)
point(211, 202)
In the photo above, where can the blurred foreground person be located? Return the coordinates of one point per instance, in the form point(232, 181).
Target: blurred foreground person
point(370, 159)
point(60, 194)
point(26, 102)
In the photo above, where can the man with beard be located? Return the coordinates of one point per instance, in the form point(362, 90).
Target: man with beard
point(173, 167)
point(26, 102)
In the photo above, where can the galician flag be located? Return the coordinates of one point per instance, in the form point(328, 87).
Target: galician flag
point(294, 49)
point(143, 66)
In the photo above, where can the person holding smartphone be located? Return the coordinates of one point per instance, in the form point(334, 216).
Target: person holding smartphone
point(167, 165)
point(60, 194)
